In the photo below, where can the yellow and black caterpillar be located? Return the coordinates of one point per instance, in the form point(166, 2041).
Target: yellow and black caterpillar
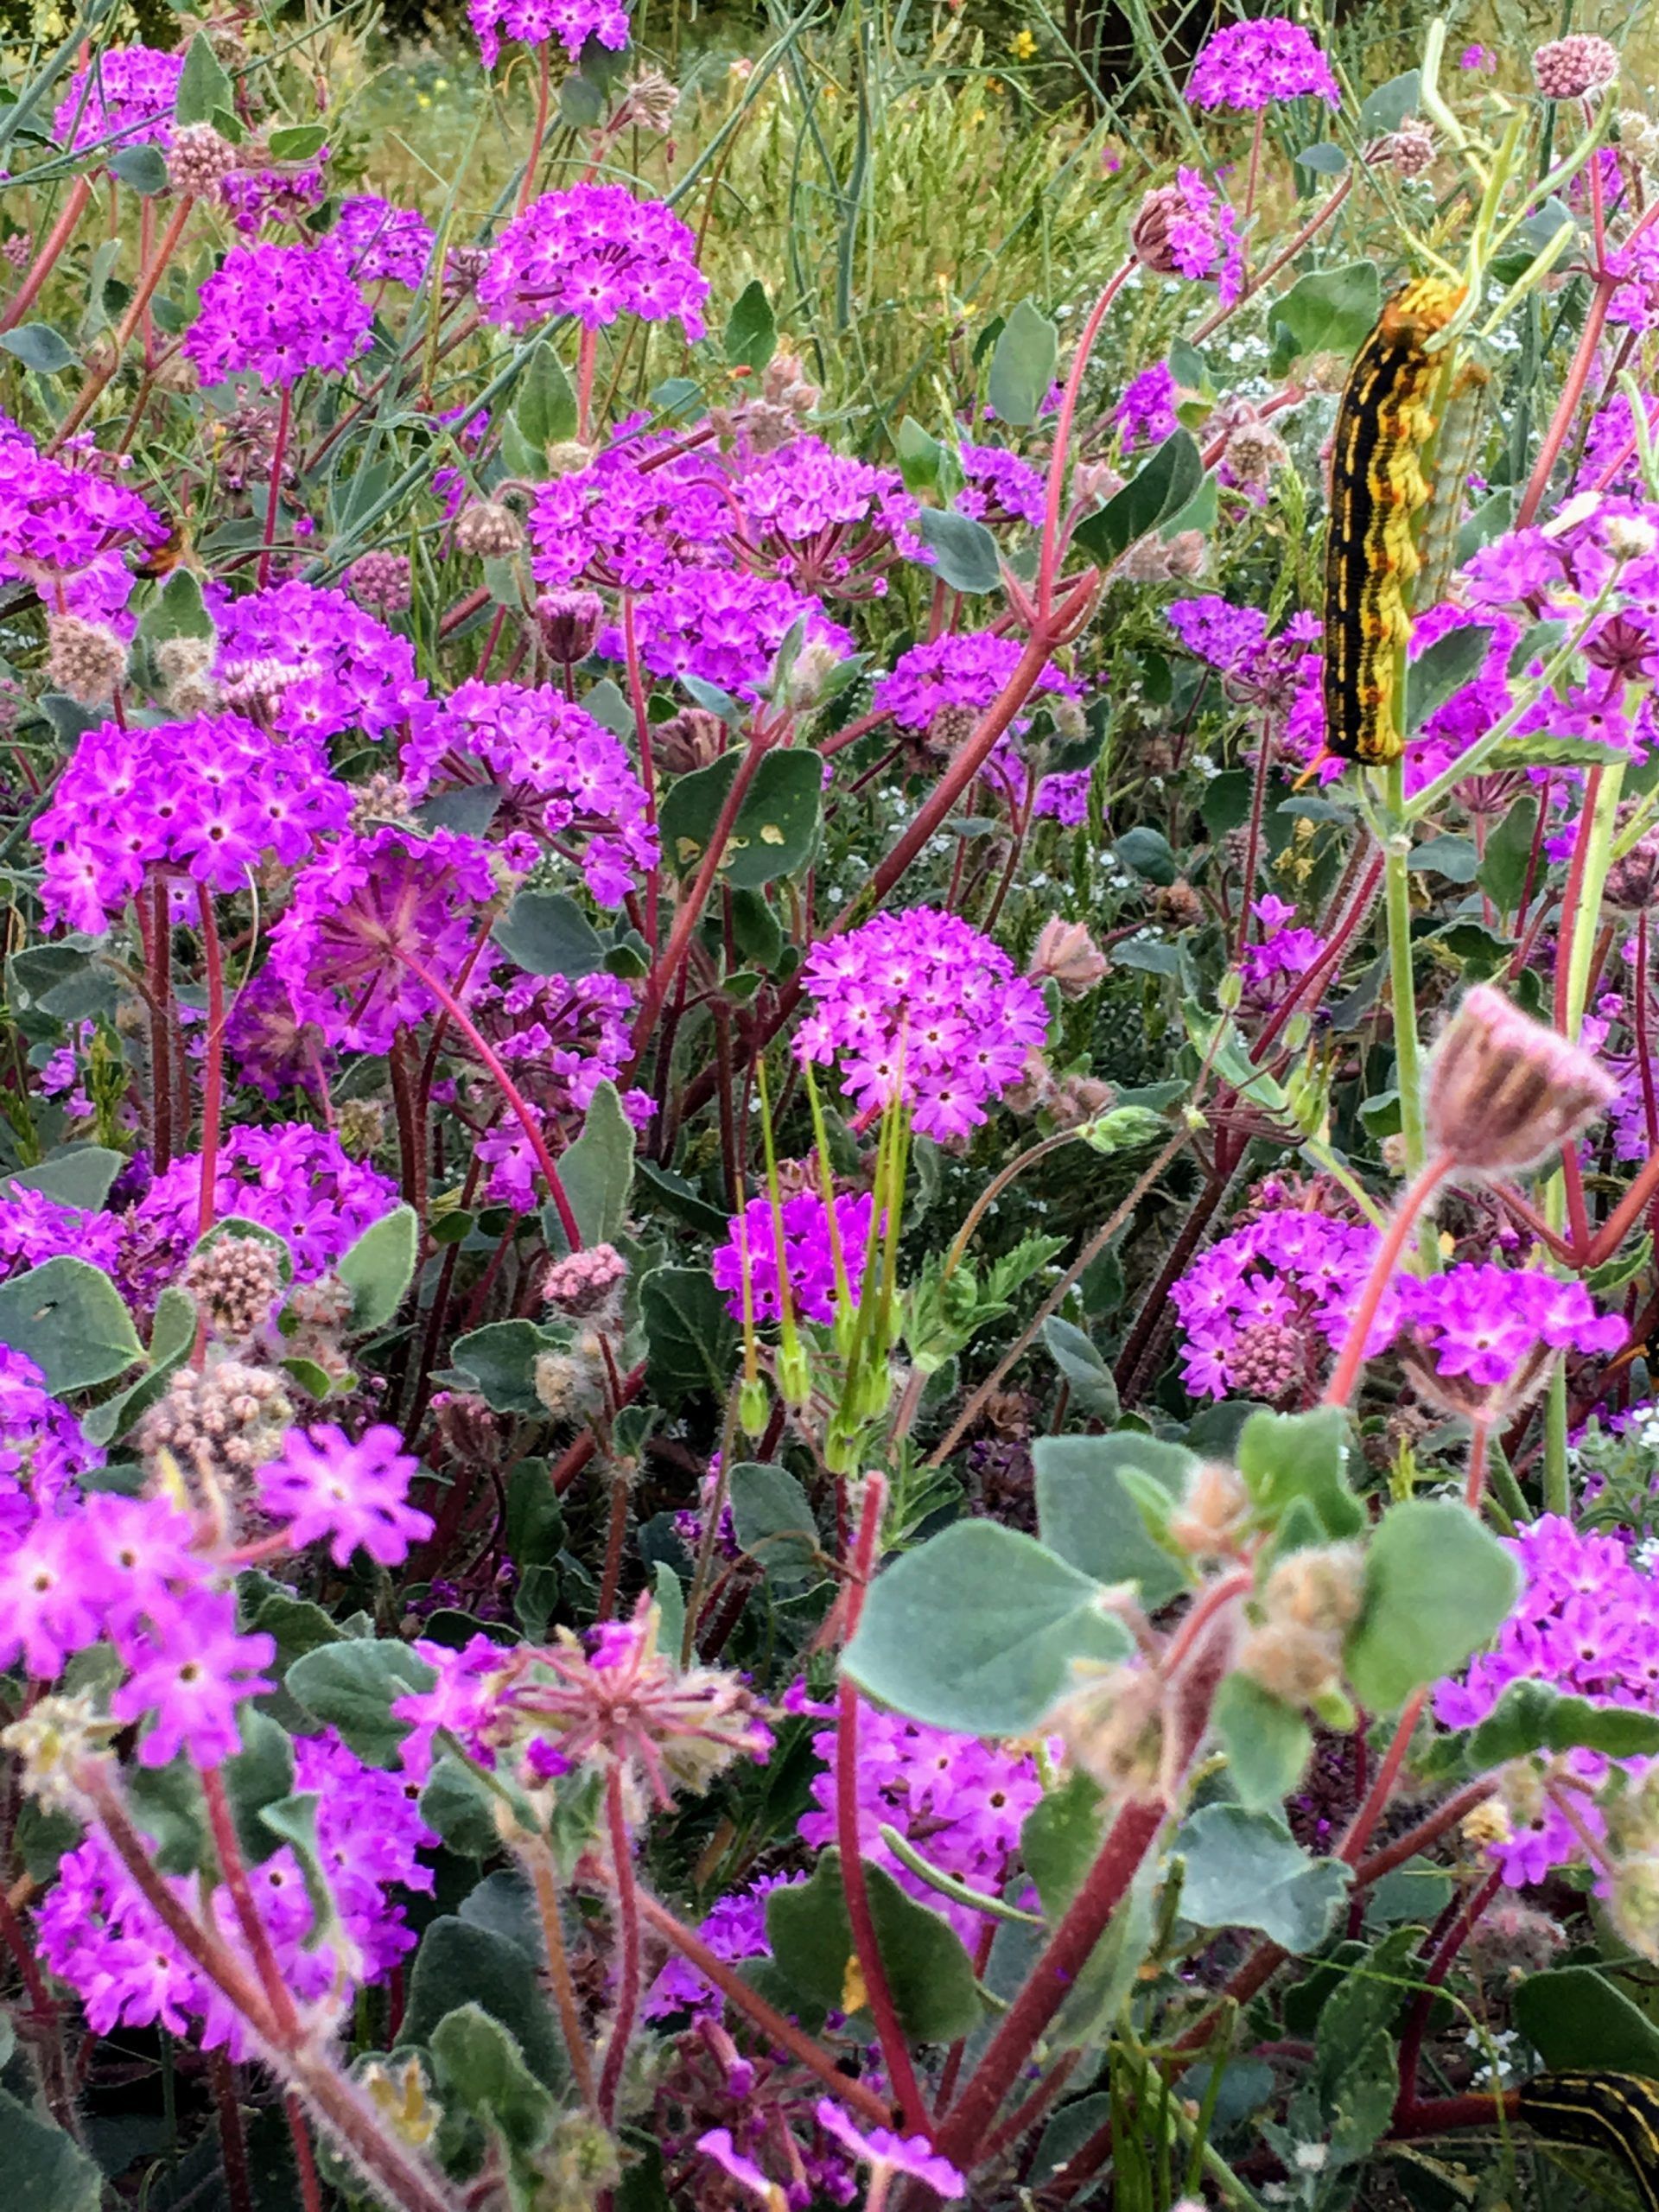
point(1377, 488)
point(1615, 2113)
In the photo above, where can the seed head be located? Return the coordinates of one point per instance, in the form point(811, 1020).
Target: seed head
point(1504, 1092)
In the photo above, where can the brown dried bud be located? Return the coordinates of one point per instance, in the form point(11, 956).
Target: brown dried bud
point(488, 530)
point(361, 1125)
point(950, 730)
point(1504, 1092)
point(1633, 882)
point(1178, 905)
point(1067, 952)
point(84, 659)
point(1320, 1588)
point(1296, 1665)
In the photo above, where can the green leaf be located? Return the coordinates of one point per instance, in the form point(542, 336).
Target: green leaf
point(38, 346)
point(178, 610)
point(353, 1685)
point(377, 1269)
point(481, 2066)
point(776, 825)
point(1331, 310)
point(1549, 749)
point(1324, 160)
point(1532, 1716)
point(204, 88)
point(1061, 1839)
point(1022, 366)
point(690, 1339)
point(500, 1359)
point(1094, 1392)
point(1268, 1743)
point(923, 463)
point(581, 105)
point(1387, 108)
point(543, 405)
point(978, 1630)
point(1580, 2021)
point(534, 1530)
point(460, 1963)
point(80, 1177)
point(929, 1973)
point(1169, 478)
point(965, 552)
point(773, 1520)
point(1145, 852)
point(297, 142)
point(46, 2169)
point(260, 1774)
point(457, 1804)
point(1283, 1456)
point(1437, 1585)
point(142, 169)
point(597, 1172)
point(751, 329)
point(546, 933)
point(1246, 1870)
point(69, 1318)
point(1089, 1515)
point(1503, 872)
point(1442, 669)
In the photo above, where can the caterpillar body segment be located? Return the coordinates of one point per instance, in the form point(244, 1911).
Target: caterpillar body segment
point(1615, 2112)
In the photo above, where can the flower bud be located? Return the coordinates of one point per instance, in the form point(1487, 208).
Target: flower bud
point(1504, 1092)
point(752, 1407)
point(1633, 1905)
point(381, 580)
point(584, 1283)
point(84, 659)
point(1113, 1726)
point(1213, 1511)
point(1569, 67)
point(488, 530)
point(794, 1371)
point(1067, 952)
point(568, 622)
point(198, 159)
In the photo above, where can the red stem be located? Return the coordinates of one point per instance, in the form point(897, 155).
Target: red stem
point(532, 160)
point(274, 497)
point(300, 2136)
point(213, 1079)
point(255, 1933)
point(24, 297)
point(87, 396)
point(1352, 1358)
point(1381, 1788)
point(1411, 2043)
point(1050, 557)
point(627, 1909)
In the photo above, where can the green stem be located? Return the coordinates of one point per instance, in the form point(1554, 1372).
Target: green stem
point(1396, 897)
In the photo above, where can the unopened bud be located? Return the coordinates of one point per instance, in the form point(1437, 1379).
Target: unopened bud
point(1067, 952)
point(568, 622)
point(84, 659)
point(1213, 1510)
point(1504, 1092)
point(488, 530)
point(1569, 67)
point(752, 1407)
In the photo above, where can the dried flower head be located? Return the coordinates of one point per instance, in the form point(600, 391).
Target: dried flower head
point(85, 659)
point(1504, 1092)
point(1214, 1511)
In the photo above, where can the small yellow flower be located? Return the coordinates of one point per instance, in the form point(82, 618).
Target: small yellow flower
point(1022, 46)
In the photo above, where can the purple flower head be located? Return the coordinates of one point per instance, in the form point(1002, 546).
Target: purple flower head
point(368, 915)
point(294, 1180)
point(735, 1929)
point(563, 778)
point(126, 97)
point(42, 1452)
point(717, 2145)
point(808, 1255)
point(595, 252)
point(276, 311)
point(1146, 413)
point(1487, 1333)
point(209, 800)
point(965, 669)
point(1186, 229)
point(308, 662)
point(724, 627)
point(628, 519)
point(33, 1229)
point(383, 244)
point(818, 513)
point(191, 1670)
point(905, 2154)
point(1291, 1271)
point(1248, 65)
point(995, 478)
point(572, 23)
point(919, 1006)
point(257, 197)
point(324, 1486)
point(61, 525)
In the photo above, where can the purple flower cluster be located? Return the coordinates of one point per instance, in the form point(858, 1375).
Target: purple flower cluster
point(1587, 1624)
point(324, 1487)
point(1260, 1309)
point(565, 779)
point(997, 482)
point(1482, 1323)
point(961, 1801)
point(101, 1935)
point(733, 1929)
point(634, 516)
point(1188, 229)
point(595, 252)
point(309, 663)
point(255, 197)
point(809, 1257)
point(805, 504)
point(66, 530)
point(367, 917)
point(1146, 413)
point(1276, 964)
point(34, 1228)
point(42, 1452)
point(383, 244)
point(966, 669)
point(1249, 66)
point(209, 799)
point(293, 1180)
point(126, 98)
point(276, 311)
point(920, 1007)
point(573, 22)
point(724, 627)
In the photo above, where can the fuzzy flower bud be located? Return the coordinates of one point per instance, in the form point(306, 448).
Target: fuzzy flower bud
point(1067, 952)
point(583, 1284)
point(1504, 1091)
point(1633, 1905)
point(50, 1744)
point(568, 622)
point(1213, 1511)
point(235, 1280)
point(1113, 1725)
point(488, 530)
point(84, 659)
point(1409, 152)
point(198, 159)
point(690, 739)
point(1569, 67)
point(381, 580)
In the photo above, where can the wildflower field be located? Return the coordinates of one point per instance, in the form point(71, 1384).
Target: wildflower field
point(828, 1110)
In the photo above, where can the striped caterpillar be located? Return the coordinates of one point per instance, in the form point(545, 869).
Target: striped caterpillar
point(1377, 488)
point(1615, 2113)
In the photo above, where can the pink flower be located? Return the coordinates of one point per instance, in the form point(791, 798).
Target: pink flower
point(1248, 65)
point(325, 1487)
point(191, 1670)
